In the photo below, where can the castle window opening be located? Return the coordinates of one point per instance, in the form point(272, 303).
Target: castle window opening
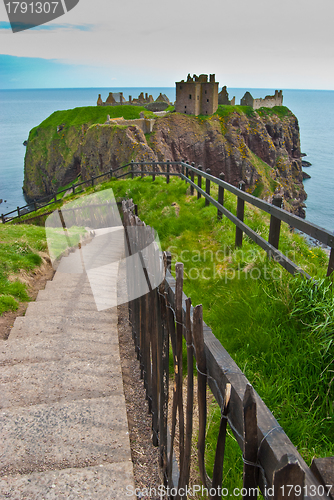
point(207, 100)
point(205, 92)
point(189, 96)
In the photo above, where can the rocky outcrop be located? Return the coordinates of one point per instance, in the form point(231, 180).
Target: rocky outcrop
point(263, 149)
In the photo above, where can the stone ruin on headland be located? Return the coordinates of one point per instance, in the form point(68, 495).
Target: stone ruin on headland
point(199, 96)
point(196, 96)
point(117, 99)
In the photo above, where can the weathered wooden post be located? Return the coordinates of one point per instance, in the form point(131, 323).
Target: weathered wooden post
point(73, 189)
point(187, 169)
point(167, 176)
point(18, 211)
point(110, 172)
point(199, 182)
point(182, 167)
point(3, 218)
point(275, 224)
point(92, 179)
point(289, 479)
point(142, 169)
point(192, 178)
point(250, 472)
point(240, 215)
point(207, 187)
point(55, 197)
point(153, 176)
point(132, 169)
point(220, 195)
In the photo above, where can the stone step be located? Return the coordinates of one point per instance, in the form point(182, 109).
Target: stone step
point(82, 433)
point(87, 328)
point(52, 347)
point(105, 482)
point(66, 379)
point(57, 293)
point(70, 308)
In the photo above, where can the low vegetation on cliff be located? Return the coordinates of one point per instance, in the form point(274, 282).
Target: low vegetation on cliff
point(260, 147)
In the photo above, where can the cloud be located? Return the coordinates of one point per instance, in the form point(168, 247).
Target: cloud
point(52, 27)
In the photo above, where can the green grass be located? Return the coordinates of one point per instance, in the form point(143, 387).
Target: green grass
point(265, 318)
point(280, 111)
point(19, 247)
point(278, 328)
point(88, 115)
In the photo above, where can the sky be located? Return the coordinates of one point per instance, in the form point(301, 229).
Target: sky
point(150, 43)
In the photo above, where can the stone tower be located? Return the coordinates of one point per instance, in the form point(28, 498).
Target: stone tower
point(197, 96)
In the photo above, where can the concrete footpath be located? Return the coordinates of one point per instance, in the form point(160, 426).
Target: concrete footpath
point(63, 424)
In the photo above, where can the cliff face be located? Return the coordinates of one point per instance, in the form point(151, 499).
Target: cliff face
point(261, 148)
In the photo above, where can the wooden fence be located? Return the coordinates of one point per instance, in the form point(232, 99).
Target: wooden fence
point(164, 317)
point(188, 172)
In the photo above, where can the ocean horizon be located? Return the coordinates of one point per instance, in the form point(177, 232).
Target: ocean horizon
point(23, 109)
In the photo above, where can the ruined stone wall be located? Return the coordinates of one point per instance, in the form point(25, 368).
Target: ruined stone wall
point(209, 98)
point(269, 101)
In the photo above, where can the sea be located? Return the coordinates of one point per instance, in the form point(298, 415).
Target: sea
point(21, 110)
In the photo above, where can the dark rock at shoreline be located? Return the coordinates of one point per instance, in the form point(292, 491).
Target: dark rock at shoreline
point(306, 163)
point(306, 176)
point(25, 143)
point(303, 154)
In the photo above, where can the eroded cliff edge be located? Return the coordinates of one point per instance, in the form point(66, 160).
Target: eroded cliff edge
point(260, 147)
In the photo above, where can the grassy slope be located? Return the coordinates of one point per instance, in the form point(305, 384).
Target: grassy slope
point(273, 324)
point(278, 328)
point(19, 247)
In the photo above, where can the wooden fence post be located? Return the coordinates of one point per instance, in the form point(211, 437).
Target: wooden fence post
point(167, 176)
point(199, 182)
point(92, 179)
point(18, 211)
point(330, 268)
point(289, 479)
point(185, 473)
point(179, 338)
point(153, 176)
point(250, 473)
point(163, 344)
point(275, 224)
point(110, 172)
point(187, 170)
point(3, 218)
point(207, 187)
point(240, 215)
point(217, 475)
point(192, 178)
point(132, 169)
point(201, 392)
point(73, 189)
point(142, 169)
point(182, 167)
point(220, 195)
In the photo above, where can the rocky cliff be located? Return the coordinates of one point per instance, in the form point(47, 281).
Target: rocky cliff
point(262, 148)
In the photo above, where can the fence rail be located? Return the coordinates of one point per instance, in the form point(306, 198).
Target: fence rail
point(160, 320)
point(188, 172)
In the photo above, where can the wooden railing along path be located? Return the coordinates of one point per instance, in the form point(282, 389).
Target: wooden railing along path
point(187, 172)
point(164, 317)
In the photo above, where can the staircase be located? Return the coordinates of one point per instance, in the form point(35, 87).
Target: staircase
point(63, 423)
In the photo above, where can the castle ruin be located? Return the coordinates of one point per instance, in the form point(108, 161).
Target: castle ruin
point(268, 102)
point(197, 96)
point(117, 99)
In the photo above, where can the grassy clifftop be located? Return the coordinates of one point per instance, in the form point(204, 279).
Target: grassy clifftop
point(260, 147)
